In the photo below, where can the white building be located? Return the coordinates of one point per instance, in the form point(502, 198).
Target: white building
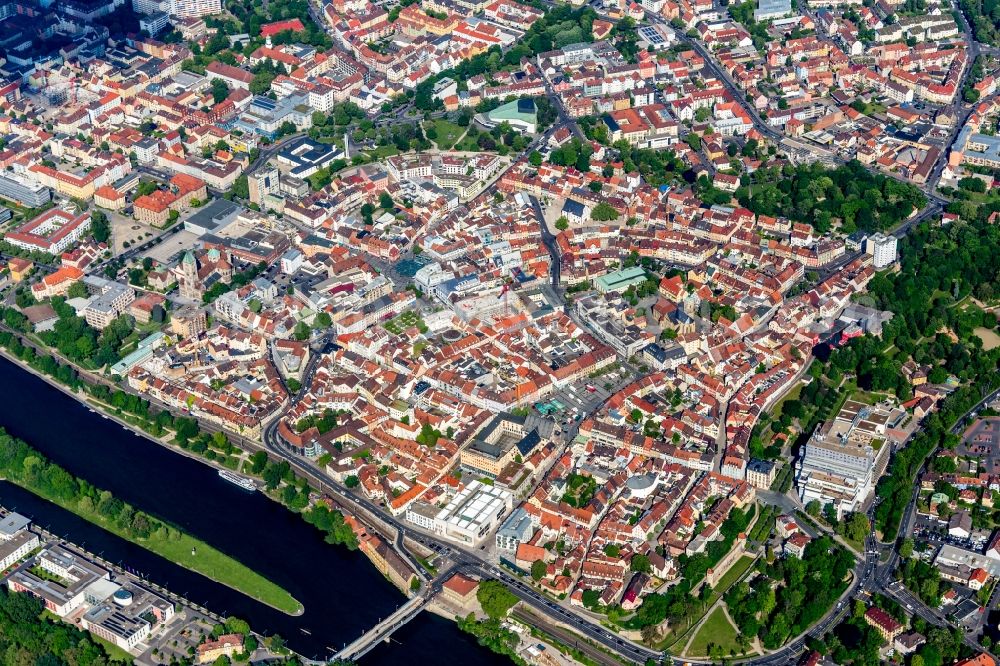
point(150, 6)
point(178, 8)
point(16, 548)
point(154, 23)
point(63, 591)
point(422, 515)
point(262, 183)
point(54, 231)
point(124, 614)
point(882, 248)
point(516, 530)
point(772, 9)
point(430, 276)
point(195, 8)
point(109, 301)
point(15, 539)
point(844, 458)
point(473, 513)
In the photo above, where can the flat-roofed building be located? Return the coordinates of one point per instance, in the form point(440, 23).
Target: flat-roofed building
point(263, 183)
point(24, 192)
point(127, 616)
point(188, 322)
point(59, 577)
point(16, 541)
point(517, 529)
point(305, 157)
point(882, 247)
point(195, 8)
point(845, 456)
point(956, 563)
point(12, 524)
point(16, 548)
point(109, 301)
point(473, 513)
point(264, 116)
point(978, 149)
point(213, 217)
point(772, 9)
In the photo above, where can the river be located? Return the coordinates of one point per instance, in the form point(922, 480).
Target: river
point(341, 591)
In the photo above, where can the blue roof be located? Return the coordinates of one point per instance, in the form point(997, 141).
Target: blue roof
point(528, 442)
point(573, 207)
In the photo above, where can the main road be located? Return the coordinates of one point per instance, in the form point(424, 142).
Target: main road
point(882, 578)
point(868, 574)
point(471, 562)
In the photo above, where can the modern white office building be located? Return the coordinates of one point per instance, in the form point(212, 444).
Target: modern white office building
point(471, 515)
point(16, 541)
point(882, 248)
point(844, 458)
point(63, 589)
point(23, 191)
point(772, 9)
point(178, 8)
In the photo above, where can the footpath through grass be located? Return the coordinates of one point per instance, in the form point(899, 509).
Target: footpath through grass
point(446, 133)
point(675, 641)
point(716, 631)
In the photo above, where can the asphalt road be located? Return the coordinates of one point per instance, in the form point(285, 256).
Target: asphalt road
point(869, 573)
point(470, 562)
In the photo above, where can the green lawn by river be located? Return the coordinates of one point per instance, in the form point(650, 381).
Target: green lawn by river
point(191, 553)
point(173, 544)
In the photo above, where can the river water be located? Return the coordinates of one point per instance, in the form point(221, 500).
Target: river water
point(341, 591)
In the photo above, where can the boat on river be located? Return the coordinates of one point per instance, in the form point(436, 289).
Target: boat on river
point(241, 481)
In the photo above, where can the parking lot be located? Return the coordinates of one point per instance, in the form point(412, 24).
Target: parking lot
point(571, 404)
point(126, 230)
point(982, 442)
point(935, 531)
point(176, 641)
point(170, 248)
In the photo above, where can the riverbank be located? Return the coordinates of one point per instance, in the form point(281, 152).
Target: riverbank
point(343, 594)
point(173, 543)
point(135, 425)
point(155, 428)
point(27, 468)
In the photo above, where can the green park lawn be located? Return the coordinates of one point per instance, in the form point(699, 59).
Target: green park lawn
point(381, 152)
point(468, 144)
point(224, 569)
point(403, 322)
point(715, 630)
point(114, 652)
point(675, 639)
point(447, 133)
point(738, 569)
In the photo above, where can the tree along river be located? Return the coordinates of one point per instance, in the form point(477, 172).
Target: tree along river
point(341, 591)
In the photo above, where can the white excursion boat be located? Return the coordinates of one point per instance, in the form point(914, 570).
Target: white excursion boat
point(241, 481)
